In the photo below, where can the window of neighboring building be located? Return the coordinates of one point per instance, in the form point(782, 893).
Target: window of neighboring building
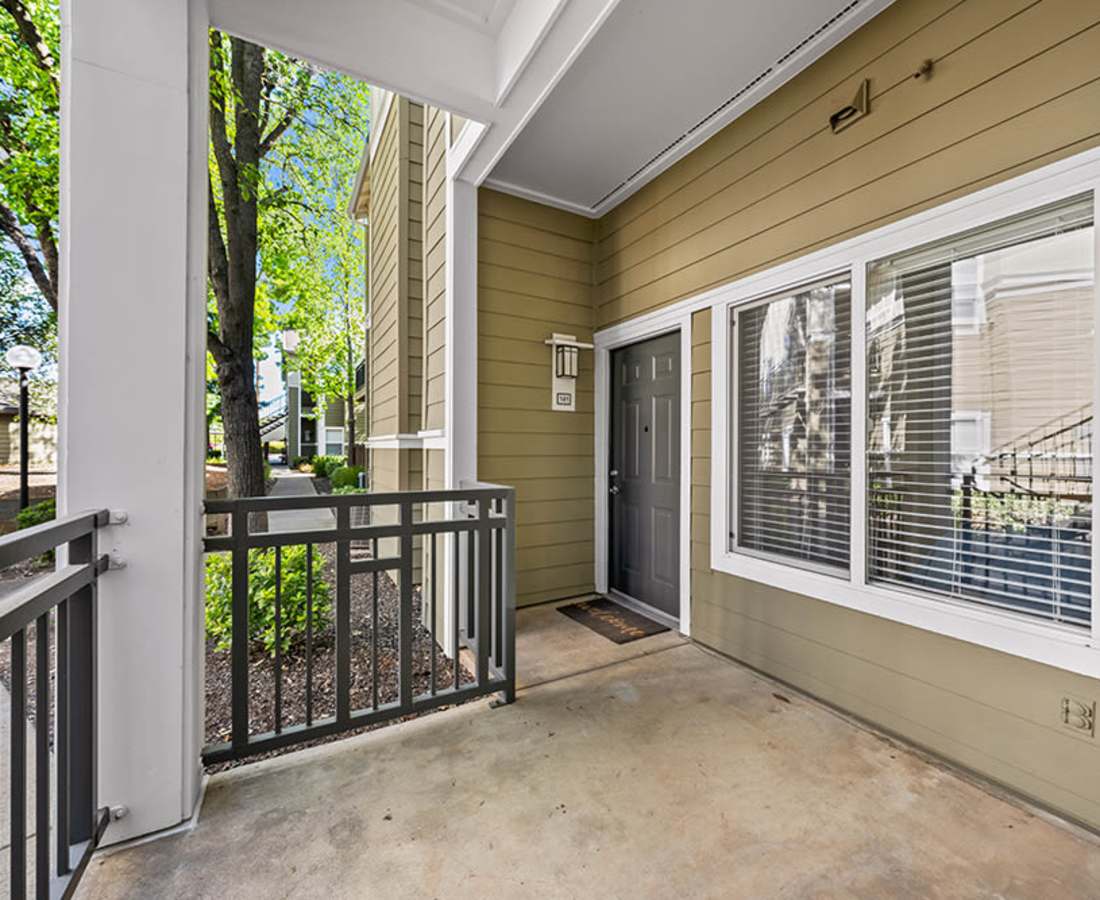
point(334, 441)
point(793, 410)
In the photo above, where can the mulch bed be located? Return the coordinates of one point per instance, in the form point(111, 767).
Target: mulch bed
point(219, 714)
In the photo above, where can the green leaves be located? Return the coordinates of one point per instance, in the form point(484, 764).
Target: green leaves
point(313, 126)
point(30, 35)
point(294, 611)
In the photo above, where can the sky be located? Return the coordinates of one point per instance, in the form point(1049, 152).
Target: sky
point(271, 378)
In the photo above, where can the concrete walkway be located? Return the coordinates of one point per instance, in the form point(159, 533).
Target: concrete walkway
point(652, 770)
point(5, 789)
point(289, 483)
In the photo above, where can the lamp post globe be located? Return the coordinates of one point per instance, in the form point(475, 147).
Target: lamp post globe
point(24, 359)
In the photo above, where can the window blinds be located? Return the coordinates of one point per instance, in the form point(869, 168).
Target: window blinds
point(980, 361)
point(793, 412)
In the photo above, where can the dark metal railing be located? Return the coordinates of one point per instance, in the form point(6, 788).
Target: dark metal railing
point(448, 553)
point(59, 606)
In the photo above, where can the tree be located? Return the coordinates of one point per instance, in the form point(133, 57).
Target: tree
point(30, 34)
point(255, 96)
point(319, 278)
point(26, 318)
point(279, 130)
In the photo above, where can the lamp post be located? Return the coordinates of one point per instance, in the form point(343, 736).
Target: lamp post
point(24, 360)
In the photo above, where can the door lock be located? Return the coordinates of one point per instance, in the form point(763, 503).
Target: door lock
point(614, 489)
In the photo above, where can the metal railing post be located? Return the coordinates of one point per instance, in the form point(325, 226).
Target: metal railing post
point(482, 589)
point(239, 641)
point(508, 695)
point(405, 612)
point(81, 700)
point(343, 617)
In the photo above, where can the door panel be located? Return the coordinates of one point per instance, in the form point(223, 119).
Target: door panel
point(645, 473)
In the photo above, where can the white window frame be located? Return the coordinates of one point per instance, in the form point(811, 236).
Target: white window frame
point(328, 430)
point(1066, 647)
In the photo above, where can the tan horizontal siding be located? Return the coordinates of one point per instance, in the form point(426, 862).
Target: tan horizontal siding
point(384, 288)
point(412, 349)
point(435, 275)
point(1016, 84)
point(534, 278)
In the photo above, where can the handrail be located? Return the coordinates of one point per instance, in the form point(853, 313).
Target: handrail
point(61, 607)
point(335, 501)
point(31, 542)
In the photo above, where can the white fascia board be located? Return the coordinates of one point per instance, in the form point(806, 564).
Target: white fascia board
point(378, 122)
point(521, 36)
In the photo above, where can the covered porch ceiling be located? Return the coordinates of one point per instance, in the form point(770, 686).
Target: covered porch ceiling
point(581, 101)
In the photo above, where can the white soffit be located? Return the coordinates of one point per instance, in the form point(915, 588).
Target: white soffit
point(655, 81)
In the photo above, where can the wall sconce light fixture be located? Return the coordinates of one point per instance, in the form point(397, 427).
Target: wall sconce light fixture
point(565, 367)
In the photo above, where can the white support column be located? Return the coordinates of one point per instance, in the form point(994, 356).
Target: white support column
point(460, 358)
point(460, 352)
point(132, 340)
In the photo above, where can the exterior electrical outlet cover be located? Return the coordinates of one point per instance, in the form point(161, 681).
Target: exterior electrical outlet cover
point(1079, 716)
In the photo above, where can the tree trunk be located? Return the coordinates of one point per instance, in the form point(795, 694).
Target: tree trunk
point(351, 430)
point(351, 385)
point(240, 419)
point(233, 264)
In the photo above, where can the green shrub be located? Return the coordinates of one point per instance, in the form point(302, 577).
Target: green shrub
point(261, 598)
point(37, 513)
point(345, 476)
point(298, 461)
point(349, 489)
point(323, 466)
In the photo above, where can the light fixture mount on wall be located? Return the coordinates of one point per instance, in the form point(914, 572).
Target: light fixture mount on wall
point(564, 369)
point(854, 111)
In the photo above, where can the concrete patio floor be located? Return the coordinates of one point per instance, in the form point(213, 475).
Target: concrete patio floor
point(654, 769)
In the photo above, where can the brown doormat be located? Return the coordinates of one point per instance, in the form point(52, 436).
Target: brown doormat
point(614, 622)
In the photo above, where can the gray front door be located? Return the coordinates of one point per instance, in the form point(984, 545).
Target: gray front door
point(645, 473)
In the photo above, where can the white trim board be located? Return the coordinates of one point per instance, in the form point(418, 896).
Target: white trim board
point(605, 341)
point(1065, 647)
point(395, 442)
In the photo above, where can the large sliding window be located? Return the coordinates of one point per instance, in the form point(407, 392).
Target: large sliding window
point(935, 463)
point(793, 395)
point(980, 362)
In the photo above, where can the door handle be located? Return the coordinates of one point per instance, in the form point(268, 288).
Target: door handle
point(614, 489)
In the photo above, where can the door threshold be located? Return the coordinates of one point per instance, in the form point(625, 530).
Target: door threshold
point(644, 609)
